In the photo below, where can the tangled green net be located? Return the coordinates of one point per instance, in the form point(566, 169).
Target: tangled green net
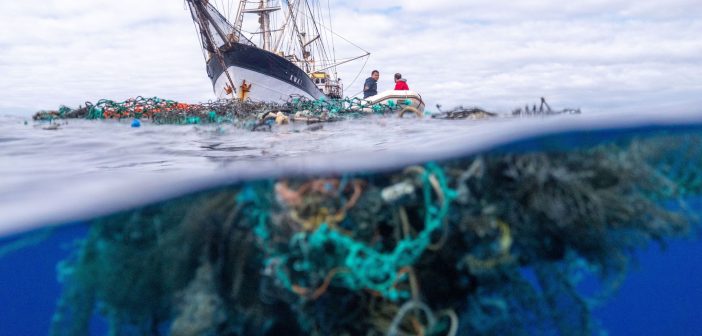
point(229, 111)
point(490, 244)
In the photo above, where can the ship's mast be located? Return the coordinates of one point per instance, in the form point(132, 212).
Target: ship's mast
point(297, 25)
point(264, 10)
point(265, 19)
point(204, 19)
point(298, 36)
point(240, 15)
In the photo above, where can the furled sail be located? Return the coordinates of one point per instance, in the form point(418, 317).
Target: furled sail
point(215, 31)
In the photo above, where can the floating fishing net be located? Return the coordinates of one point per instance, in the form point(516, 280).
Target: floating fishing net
point(232, 111)
point(262, 116)
point(464, 113)
point(484, 245)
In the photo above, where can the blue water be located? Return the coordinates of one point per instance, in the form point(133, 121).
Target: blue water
point(28, 282)
point(662, 295)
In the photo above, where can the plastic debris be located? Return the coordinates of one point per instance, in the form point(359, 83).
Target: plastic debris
point(163, 111)
point(493, 244)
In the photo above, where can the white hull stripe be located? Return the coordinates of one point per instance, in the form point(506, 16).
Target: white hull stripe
point(260, 87)
point(244, 57)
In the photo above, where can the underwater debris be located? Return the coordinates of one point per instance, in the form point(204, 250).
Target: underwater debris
point(440, 249)
point(200, 311)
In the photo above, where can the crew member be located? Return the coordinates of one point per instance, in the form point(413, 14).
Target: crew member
point(370, 88)
point(400, 83)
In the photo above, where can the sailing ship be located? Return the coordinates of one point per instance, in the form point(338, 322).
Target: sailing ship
point(288, 54)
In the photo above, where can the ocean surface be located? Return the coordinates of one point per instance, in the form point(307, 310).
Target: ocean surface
point(57, 186)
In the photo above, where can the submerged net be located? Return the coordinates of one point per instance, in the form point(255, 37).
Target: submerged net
point(484, 245)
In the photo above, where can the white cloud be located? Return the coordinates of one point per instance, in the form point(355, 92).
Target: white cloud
point(595, 54)
point(65, 52)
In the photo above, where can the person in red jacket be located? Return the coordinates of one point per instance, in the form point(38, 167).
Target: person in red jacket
point(400, 83)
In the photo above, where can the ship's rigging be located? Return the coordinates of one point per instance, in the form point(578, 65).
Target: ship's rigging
point(301, 31)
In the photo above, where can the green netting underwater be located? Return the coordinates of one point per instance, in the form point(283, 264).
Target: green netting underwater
point(489, 244)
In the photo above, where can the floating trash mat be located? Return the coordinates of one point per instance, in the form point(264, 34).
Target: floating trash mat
point(163, 111)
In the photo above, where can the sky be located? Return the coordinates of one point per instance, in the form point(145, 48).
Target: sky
point(598, 55)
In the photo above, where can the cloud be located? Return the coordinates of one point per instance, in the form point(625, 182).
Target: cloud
point(596, 54)
point(497, 11)
point(63, 52)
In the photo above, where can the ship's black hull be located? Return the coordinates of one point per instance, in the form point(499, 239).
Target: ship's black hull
point(271, 77)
